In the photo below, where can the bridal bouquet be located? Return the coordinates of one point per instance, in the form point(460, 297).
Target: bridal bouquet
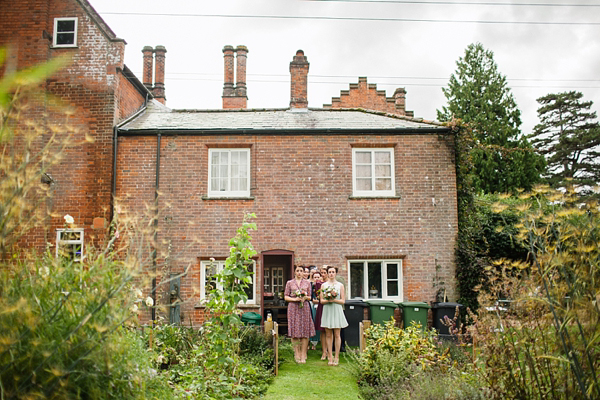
point(329, 292)
point(301, 293)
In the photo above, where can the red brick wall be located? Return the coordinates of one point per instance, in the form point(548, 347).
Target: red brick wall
point(88, 88)
point(301, 187)
point(365, 95)
point(129, 99)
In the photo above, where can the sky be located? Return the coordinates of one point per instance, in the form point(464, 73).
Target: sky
point(541, 46)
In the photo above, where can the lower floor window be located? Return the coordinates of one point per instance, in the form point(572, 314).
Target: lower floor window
point(375, 279)
point(208, 282)
point(69, 244)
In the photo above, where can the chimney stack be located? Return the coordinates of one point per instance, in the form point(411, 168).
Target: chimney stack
point(159, 74)
point(299, 81)
point(148, 52)
point(400, 100)
point(235, 97)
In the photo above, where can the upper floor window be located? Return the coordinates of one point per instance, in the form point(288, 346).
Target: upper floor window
point(69, 244)
point(375, 279)
point(208, 269)
point(229, 173)
point(65, 32)
point(373, 172)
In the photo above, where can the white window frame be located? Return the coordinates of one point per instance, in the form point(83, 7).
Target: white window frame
point(56, 32)
point(220, 264)
point(373, 192)
point(60, 241)
point(384, 279)
point(228, 193)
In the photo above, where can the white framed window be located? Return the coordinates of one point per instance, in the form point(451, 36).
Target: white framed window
point(69, 244)
point(65, 32)
point(373, 172)
point(208, 269)
point(375, 279)
point(229, 173)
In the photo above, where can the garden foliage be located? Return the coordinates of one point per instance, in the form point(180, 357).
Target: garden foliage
point(546, 344)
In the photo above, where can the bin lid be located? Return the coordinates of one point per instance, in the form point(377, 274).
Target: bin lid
point(416, 304)
point(251, 316)
point(380, 302)
point(447, 305)
point(356, 302)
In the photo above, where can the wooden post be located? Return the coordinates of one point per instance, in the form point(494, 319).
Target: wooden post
point(276, 345)
point(363, 327)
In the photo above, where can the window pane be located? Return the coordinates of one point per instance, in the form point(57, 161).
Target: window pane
point(383, 184)
point(383, 157)
point(215, 158)
point(363, 184)
point(363, 171)
point(383, 171)
point(363, 157)
point(250, 288)
point(392, 271)
point(223, 184)
point(65, 38)
point(357, 276)
point(65, 26)
point(392, 288)
point(374, 279)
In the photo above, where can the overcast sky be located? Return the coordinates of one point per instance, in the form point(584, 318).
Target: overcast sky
point(398, 43)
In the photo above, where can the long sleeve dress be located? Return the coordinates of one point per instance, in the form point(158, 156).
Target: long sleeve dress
point(333, 313)
point(300, 323)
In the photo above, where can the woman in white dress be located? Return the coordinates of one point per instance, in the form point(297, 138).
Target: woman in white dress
point(333, 319)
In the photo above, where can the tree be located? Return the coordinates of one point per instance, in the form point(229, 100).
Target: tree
point(478, 94)
point(568, 135)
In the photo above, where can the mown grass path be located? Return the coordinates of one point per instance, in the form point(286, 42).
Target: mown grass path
point(313, 380)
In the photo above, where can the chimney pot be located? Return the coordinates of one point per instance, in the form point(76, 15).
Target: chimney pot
point(148, 66)
point(159, 74)
point(235, 97)
point(299, 81)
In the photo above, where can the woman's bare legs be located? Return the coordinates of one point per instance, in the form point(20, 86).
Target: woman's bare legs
point(329, 333)
point(303, 350)
point(296, 345)
point(338, 345)
point(324, 345)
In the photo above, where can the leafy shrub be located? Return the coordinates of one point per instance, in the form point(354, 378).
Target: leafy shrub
point(171, 343)
point(545, 345)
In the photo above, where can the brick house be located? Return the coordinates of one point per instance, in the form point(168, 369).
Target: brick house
point(368, 191)
point(98, 88)
point(360, 184)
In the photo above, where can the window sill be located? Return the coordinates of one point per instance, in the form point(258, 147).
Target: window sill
point(351, 197)
point(227, 198)
point(73, 46)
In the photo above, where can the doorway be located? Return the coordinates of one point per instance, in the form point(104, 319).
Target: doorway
point(277, 270)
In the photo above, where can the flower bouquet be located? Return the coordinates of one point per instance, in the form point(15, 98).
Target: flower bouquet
point(301, 293)
point(329, 292)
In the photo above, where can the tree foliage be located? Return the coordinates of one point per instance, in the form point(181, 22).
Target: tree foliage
point(478, 94)
point(568, 136)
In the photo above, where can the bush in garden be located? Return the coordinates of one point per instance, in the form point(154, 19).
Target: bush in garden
point(385, 365)
point(546, 344)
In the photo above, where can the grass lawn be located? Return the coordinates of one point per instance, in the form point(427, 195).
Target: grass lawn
point(313, 380)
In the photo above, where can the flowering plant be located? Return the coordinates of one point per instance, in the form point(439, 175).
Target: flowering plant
point(329, 292)
point(301, 293)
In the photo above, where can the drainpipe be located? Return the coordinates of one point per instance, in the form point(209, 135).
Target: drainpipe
point(155, 228)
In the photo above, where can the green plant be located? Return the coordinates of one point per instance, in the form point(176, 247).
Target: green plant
point(546, 344)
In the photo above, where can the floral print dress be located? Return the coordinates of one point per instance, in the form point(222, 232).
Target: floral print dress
point(300, 323)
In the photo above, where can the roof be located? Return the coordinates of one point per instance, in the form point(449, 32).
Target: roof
point(158, 117)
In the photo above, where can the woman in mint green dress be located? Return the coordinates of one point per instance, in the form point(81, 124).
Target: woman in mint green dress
point(333, 319)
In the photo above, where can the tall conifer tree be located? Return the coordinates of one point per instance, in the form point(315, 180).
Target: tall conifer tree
point(478, 94)
point(568, 135)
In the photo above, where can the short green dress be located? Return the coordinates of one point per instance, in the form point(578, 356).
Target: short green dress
point(333, 313)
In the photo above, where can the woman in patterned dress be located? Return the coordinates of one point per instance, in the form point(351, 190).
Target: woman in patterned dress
point(333, 319)
point(300, 324)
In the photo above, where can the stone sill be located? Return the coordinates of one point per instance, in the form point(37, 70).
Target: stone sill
point(227, 198)
point(373, 197)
